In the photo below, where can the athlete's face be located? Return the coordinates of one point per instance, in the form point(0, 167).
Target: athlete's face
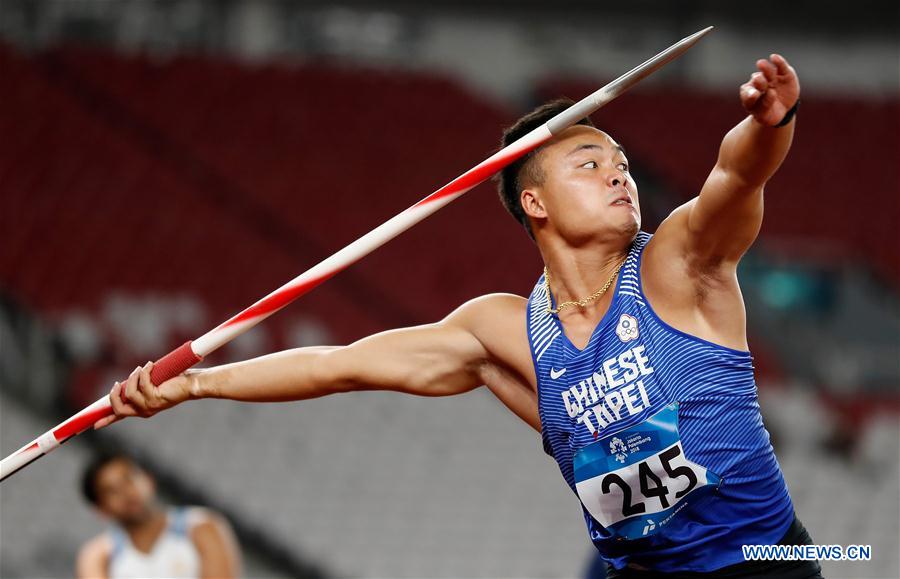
point(587, 191)
point(125, 493)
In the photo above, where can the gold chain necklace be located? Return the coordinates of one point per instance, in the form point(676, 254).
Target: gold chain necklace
point(582, 302)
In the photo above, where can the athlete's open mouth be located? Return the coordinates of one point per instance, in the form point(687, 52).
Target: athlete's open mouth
point(623, 199)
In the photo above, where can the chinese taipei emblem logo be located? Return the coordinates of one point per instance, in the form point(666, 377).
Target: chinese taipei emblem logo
point(627, 328)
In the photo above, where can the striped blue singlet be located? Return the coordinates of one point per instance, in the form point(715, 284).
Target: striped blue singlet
point(659, 433)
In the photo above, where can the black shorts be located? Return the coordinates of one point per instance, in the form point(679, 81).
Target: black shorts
point(795, 535)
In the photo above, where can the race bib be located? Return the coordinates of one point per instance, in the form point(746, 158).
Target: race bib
point(635, 481)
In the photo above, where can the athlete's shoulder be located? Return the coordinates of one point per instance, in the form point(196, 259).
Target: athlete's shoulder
point(214, 540)
point(93, 556)
point(202, 521)
point(502, 302)
point(497, 321)
point(195, 515)
point(99, 544)
point(491, 309)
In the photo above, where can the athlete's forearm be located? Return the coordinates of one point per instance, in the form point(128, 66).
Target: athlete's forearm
point(752, 152)
point(429, 360)
point(295, 374)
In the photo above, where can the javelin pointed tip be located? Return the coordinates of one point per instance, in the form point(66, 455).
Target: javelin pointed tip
point(692, 39)
point(700, 33)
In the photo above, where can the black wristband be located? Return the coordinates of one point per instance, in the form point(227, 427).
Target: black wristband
point(789, 115)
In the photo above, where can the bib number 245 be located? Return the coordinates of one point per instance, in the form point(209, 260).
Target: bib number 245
point(652, 484)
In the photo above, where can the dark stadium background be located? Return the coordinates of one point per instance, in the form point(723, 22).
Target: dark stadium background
point(164, 164)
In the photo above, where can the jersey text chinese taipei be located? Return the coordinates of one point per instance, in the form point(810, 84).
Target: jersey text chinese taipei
point(659, 434)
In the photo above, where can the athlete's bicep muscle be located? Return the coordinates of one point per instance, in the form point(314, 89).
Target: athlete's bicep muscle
point(439, 359)
point(725, 219)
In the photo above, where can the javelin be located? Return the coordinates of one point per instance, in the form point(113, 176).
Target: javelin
point(192, 352)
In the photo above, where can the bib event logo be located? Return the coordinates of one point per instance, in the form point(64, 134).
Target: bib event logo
point(618, 448)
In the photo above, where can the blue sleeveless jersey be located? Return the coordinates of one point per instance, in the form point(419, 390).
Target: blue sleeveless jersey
point(659, 434)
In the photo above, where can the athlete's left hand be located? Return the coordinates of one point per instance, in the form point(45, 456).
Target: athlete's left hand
point(772, 91)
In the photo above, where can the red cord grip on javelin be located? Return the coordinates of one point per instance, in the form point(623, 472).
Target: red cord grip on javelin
point(171, 365)
point(174, 363)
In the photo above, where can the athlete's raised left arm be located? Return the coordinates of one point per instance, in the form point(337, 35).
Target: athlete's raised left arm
point(725, 219)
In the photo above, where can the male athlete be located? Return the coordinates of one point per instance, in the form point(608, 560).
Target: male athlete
point(629, 357)
point(149, 540)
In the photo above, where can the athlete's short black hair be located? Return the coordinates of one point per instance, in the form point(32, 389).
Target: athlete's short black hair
point(524, 172)
point(92, 470)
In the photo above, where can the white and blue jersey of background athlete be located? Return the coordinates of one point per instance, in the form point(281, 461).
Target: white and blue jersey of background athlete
point(659, 433)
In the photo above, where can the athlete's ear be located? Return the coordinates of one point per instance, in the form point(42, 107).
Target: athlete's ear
point(532, 203)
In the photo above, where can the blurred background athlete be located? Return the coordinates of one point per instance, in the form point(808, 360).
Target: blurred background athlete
point(147, 538)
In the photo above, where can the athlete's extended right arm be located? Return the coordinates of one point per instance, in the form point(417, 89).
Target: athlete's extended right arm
point(432, 360)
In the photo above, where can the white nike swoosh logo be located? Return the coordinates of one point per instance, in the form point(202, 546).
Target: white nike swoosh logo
point(554, 374)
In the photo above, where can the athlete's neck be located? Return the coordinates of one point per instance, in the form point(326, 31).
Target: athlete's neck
point(576, 273)
point(144, 533)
